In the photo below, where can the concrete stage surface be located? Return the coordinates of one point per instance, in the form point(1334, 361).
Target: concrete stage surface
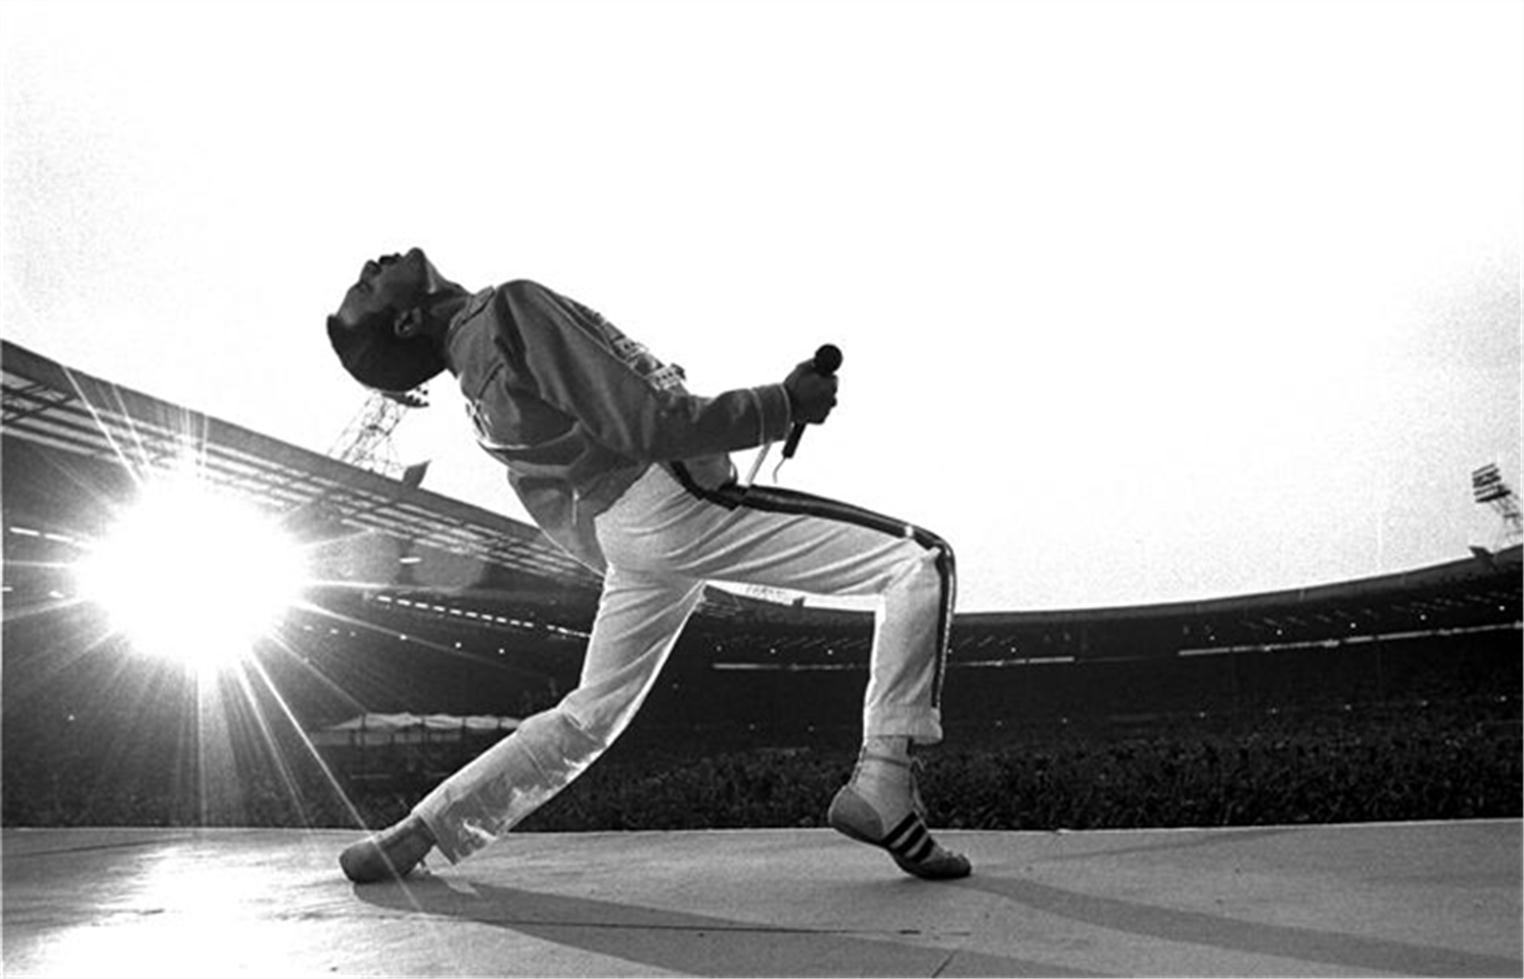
point(1374, 899)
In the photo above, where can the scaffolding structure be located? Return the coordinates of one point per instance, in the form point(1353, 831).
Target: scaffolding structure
point(1489, 490)
point(367, 440)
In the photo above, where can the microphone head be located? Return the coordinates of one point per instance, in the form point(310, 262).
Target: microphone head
point(827, 359)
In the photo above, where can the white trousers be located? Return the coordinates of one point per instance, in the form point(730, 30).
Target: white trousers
point(663, 539)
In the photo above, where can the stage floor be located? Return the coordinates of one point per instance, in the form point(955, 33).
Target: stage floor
point(1410, 898)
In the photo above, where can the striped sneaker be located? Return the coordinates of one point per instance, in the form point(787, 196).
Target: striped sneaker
point(908, 841)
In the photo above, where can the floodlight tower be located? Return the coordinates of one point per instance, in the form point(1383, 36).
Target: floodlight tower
point(367, 440)
point(1488, 487)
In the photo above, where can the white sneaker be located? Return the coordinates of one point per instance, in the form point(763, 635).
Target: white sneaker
point(909, 842)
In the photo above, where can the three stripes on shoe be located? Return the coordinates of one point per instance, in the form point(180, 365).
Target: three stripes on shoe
point(909, 840)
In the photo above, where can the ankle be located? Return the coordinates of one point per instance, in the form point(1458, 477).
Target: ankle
point(414, 824)
point(892, 748)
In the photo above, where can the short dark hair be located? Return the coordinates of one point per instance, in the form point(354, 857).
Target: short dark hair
point(374, 355)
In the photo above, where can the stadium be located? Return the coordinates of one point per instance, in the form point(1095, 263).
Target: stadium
point(413, 630)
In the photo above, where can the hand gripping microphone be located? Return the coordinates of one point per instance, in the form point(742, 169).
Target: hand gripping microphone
point(827, 361)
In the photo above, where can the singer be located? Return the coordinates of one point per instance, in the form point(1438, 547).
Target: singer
point(626, 470)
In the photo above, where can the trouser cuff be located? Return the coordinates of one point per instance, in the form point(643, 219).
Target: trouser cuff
point(922, 726)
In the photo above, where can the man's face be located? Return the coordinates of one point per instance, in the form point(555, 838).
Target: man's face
point(390, 282)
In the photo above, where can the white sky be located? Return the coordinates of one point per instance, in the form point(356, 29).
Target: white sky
point(1139, 301)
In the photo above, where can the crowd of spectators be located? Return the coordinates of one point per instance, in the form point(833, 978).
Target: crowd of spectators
point(1401, 761)
point(1407, 762)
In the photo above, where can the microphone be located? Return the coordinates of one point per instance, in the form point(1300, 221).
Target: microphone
point(827, 361)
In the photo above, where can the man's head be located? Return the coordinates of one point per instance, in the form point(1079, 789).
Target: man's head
point(385, 332)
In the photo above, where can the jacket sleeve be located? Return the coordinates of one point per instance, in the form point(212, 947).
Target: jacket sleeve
point(564, 353)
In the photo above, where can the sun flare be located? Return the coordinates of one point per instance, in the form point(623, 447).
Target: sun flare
point(193, 574)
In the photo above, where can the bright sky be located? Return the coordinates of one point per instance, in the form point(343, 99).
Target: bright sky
point(1139, 301)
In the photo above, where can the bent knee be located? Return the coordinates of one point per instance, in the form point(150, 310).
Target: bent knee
point(936, 550)
point(929, 558)
point(942, 555)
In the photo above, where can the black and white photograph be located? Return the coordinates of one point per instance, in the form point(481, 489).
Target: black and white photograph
point(761, 488)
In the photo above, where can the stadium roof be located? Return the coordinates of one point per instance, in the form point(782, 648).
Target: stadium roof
point(48, 404)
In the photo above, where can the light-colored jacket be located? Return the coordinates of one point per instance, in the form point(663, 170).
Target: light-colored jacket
point(577, 410)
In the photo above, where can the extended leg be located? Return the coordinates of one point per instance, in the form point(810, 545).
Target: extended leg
point(639, 619)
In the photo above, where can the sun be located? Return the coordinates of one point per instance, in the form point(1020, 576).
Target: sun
point(193, 574)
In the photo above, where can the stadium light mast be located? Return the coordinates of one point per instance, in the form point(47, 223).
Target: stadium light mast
point(1489, 489)
point(367, 440)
